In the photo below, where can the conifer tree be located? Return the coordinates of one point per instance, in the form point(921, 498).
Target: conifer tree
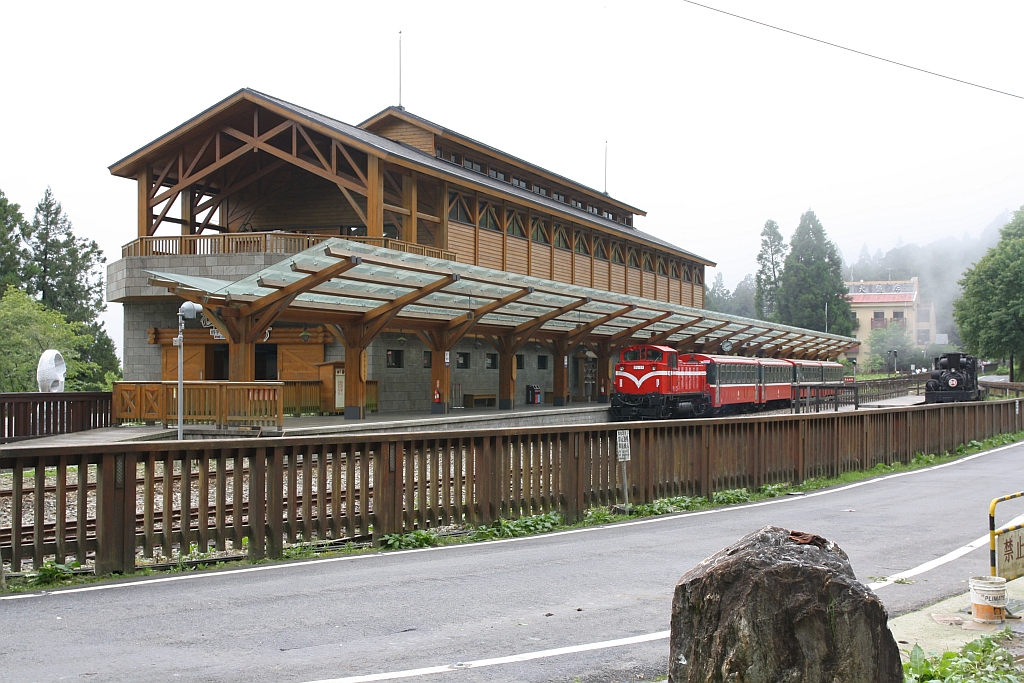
point(63, 271)
point(811, 278)
point(12, 237)
point(770, 262)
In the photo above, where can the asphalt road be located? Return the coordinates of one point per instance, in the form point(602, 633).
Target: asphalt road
point(336, 618)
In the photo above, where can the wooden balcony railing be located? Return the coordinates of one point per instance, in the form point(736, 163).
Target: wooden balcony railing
point(878, 323)
point(260, 243)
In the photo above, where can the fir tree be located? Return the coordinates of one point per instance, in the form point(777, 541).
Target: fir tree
point(770, 262)
point(812, 282)
point(12, 236)
point(63, 271)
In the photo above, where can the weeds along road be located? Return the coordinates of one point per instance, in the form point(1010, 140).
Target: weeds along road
point(347, 617)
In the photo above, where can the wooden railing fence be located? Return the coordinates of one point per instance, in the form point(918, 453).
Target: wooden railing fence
point(114, 503)
point(28, 415)
point(1005, 389)
point(221, 404)
point(261, 243)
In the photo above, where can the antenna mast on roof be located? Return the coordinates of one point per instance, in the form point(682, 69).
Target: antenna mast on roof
point(606, 167)
point(399, 69)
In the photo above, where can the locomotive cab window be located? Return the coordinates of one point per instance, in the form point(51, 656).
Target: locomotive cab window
point(631, 355)
point(654, 355)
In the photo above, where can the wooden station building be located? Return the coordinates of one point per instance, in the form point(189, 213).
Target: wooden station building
point(445, 270)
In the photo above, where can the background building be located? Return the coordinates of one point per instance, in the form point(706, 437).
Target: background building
point(880, 304)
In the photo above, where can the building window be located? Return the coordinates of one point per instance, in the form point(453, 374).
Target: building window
point(458, 209)
point(698, 276)
point(462, 360)
point(395, 358)
point(519, 182)
point(897, 315)
point(628, 221)
point(559, 197)
point(924, 337)
point(661, 266)
point(686, 274)
point(878, 315)
point(497, 175)
point(924, 315)
point(520, 361)
point(674, 270)
point(492, 361)
point(632, 260)
point(561, 239)
point(599, 250)
point(472, 165)
point(514, 223)
point(581, 244)
point(577, 204)
point(648, 263)
point(539, 232)
point(542, 362)
point(540, 190)
point(428, 359)
point(608, 214)
point(617, 254)
point(593, 209)
point(488, 218)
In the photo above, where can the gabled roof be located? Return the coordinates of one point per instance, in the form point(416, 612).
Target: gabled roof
point(391, 150)
point(436, 129)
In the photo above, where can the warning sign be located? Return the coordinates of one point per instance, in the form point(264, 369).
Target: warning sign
point(1010, 554)
point(622, 444)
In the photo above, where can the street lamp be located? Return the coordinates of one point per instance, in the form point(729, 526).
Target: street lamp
point(894, 354)
point(188, 310)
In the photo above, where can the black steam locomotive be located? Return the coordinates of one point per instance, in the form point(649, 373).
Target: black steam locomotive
point(954, 378)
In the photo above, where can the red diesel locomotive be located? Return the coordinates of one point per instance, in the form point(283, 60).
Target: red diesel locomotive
point(657, 382)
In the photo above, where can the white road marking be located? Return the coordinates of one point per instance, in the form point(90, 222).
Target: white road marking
point(510, 659)
point(523, 539)
point(939, 561)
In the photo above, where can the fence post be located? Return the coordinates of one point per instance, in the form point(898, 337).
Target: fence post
point(275, 501)
point(387, 489)
point(115, 514)
point(569, 460)
point(257, 502)
point(705, 475)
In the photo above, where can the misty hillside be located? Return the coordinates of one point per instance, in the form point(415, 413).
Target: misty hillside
point(937, 265)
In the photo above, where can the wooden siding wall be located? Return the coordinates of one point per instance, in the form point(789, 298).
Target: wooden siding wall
point(403, 131)
point(312, 203)
point(518, 255)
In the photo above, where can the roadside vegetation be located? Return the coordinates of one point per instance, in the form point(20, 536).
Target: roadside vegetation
point(982, 660)
point(63, 575)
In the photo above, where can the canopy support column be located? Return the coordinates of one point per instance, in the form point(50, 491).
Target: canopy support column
point(355, 382)
point(506, 379)
point(241, 353)
point(604, 372)
point(561, 374)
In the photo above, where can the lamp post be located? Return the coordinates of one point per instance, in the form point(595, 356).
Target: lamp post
point(187, 310)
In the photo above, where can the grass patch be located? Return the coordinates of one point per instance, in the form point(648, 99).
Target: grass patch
point(979, 660)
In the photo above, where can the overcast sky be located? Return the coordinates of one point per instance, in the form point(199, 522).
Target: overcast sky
point(714, 125)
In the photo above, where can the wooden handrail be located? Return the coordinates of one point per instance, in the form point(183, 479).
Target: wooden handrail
point(261, 242)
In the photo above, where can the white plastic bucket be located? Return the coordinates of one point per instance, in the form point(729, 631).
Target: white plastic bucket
point(988, 599)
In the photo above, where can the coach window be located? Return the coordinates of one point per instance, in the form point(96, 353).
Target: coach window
point(711, 373)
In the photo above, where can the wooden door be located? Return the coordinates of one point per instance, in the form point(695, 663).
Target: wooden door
point(298, 362)
point(194, 363)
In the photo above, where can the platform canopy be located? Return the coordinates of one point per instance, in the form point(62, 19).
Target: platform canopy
point(357, 291)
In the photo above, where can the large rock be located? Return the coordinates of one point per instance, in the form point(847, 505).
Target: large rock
point(779, 606)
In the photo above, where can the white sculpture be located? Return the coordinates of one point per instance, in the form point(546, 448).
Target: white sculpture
point(50, 372)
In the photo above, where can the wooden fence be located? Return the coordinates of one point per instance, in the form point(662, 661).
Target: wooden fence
point(1005, 389)
point(260, 243)
point(221, 404)
point(115, 502)
point(28, 415)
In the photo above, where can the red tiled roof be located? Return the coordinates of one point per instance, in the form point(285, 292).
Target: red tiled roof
point(890, 298)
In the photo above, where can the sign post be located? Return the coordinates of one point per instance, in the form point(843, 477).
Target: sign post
point(622, 450)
